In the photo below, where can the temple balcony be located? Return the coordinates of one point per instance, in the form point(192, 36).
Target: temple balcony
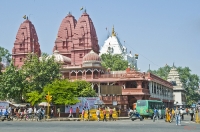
point(135, 91)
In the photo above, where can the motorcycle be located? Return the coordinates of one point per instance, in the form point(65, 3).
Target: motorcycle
point(134, 116)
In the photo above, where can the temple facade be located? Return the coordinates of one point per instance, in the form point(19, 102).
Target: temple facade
point(178, 89)
point(26, 42)
point(113, 46)
point(76, 48)
point(76, 38)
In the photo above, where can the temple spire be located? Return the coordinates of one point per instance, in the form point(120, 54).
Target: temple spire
point(113, 32)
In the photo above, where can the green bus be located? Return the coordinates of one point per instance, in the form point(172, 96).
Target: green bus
point(146, 107)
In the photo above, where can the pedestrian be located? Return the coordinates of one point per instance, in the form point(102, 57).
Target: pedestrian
point(51, 112)
point(110, 115)
point(88, 114)
point(104, 115)
point(98, 114)
point(1, 113)
point(181, 112)
point(177, 116)
point(77, 112)
point(83, 113)
point(191, 111)
point(155, 114)
point(70, 112)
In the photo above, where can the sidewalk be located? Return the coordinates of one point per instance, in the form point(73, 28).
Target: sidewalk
point(77, 119)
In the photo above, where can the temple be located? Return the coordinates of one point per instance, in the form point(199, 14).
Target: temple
point(113, 46)
point(26, 42)
point(178, 89)
point(76, 38)
point(76, 48)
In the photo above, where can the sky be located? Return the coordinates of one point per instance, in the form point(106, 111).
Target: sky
point(160, 31)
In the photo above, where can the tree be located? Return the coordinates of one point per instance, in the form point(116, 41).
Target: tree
point(190, 81)
point(62, 91)
point(84, 89)
point(115, 62)
point(4, 54)
point(40, 71)
point(13, 84)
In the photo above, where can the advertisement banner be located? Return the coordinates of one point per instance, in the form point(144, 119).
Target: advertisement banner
point(85, 102)
point(4, 105)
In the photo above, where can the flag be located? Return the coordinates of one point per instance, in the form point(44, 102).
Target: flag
point(81, 8)
point(24, 16)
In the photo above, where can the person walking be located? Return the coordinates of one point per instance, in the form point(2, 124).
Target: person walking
point(51, 112)
point(77, 112)
point(98, 114)
point(83, 113)
point(70, 112)
point(155, 112)
point(110, 115)
point(177, 116)
point(88, 112)
point(104, 115)
point(191, 111)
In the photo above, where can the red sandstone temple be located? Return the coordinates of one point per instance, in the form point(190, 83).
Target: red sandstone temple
point(76, 47)
point(26, 42)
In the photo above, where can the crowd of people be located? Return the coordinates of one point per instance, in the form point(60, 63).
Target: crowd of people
point(23, 113)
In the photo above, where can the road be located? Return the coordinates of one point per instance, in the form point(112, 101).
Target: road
point(94, 126)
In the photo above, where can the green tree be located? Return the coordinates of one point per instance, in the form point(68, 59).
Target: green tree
point(190, 81)
point(4, 54)
point(13, 84)
point(40, 71)
point(63, 92)
point(114, 62)
point(84, 89)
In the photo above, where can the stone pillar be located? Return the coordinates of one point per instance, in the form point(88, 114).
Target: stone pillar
point(76, 74)
point(92, 74)
point(69, 75)
point(99, 90)
point(99, 74)
point(153, 87)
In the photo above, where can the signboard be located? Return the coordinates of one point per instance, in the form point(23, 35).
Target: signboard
point(4, 106)
point(85, 102)
point(111, 89)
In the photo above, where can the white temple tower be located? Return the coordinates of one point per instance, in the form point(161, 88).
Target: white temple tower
point(113, 45)
point(178, 90)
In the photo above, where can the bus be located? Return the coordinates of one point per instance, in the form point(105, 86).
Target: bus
point(146, 107)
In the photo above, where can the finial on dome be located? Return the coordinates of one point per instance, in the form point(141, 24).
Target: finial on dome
point(173, 65)
point(113, 31)
point(130, 52)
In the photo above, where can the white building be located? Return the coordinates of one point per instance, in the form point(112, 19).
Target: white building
point(113, 45)
point(178, 89)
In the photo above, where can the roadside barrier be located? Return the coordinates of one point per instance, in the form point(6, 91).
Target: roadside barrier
point(93, 117)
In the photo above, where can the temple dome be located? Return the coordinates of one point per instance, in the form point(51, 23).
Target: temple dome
point(91, 56)
point(59, 58)
point(91, 59)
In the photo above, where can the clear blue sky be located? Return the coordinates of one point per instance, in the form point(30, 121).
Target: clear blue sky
point(161, 32)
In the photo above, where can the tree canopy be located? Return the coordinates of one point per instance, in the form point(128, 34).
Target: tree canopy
point(63, 92)
point(115, 62)
point(190, 81)
point(32, 76)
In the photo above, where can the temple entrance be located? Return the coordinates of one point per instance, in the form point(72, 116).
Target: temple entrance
point(131, 101)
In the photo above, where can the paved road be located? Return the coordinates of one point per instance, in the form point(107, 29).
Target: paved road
point(94, 126)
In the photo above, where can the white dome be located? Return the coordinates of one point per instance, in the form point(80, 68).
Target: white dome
point(59, 58)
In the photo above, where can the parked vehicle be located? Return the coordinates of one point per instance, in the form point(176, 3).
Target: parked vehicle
point(146, 108)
